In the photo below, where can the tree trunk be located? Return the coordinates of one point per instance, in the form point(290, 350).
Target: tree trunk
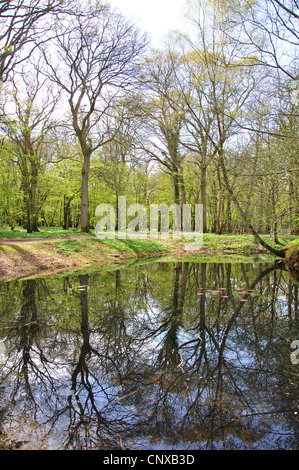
point(182, 188)
point(67, 212)
point(84, 223)
point(274, 216)
point(229, 215)
point(30, 207)
point(203, 196)
point(219, 222)
point(176, 188)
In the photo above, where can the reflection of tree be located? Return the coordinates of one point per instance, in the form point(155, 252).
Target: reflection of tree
point(89, 414)
point(28, 327)
point(213, 397)
point(169, 353)
point(144, 358)
point(94, 420)
point(26, 350)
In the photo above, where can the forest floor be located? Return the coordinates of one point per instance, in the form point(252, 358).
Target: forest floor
point(53, 251)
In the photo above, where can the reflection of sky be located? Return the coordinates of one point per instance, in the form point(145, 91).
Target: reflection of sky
point(243, 374)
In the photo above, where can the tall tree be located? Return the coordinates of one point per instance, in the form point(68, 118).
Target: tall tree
point(215, 86)
point(227, 84)
point(27, 122)
point(165, 118)
point(95, 59)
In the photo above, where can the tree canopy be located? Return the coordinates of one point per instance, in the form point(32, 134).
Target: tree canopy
point(89, 112)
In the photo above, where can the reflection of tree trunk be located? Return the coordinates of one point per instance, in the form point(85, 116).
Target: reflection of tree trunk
point(220, 347)
point(28, 309)
point(169, 353)
point(185, 275)
point(28, 325)
point(179, 289)
point(86, 348)
point(290, 286)
point(296, 309)
point(202, 302)
point(81, 373)
point(292, 302)
point(84, 309)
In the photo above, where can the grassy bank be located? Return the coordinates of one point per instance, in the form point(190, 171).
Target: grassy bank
point(55, 250)
point(44, 232)
point(26, 258)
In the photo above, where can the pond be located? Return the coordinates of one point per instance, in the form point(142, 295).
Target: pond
point(162, 355)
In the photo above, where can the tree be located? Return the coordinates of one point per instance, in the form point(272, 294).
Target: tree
point(164, 119)
point(10, 199)
point(21, 27)
point(96, 58)
point(27, 123)
point(199, 118)
point(267, 30)
point(227, 85)
point(215, 86)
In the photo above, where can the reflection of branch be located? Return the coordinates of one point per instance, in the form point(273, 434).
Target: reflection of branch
point(181, 364)
point(264, 273)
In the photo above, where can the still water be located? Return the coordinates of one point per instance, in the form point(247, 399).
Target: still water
point(166, 355)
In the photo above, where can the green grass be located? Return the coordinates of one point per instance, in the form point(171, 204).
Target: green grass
point(44, 232)
point(244, 242)
point(67, 247)
point(134, 246)
point(213, 242)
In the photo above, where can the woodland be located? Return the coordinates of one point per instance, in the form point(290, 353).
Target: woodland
point(133, 343)
point(90, 111)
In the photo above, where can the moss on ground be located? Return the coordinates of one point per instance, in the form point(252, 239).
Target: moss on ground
point(292, 258)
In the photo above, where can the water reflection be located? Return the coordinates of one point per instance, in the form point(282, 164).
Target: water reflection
point(161, 356)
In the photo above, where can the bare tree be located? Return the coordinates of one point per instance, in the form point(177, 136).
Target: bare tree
point(268, 30)
point(21, 26)
point(95, 60)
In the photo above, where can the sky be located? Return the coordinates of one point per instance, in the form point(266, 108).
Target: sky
point(157, 17)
